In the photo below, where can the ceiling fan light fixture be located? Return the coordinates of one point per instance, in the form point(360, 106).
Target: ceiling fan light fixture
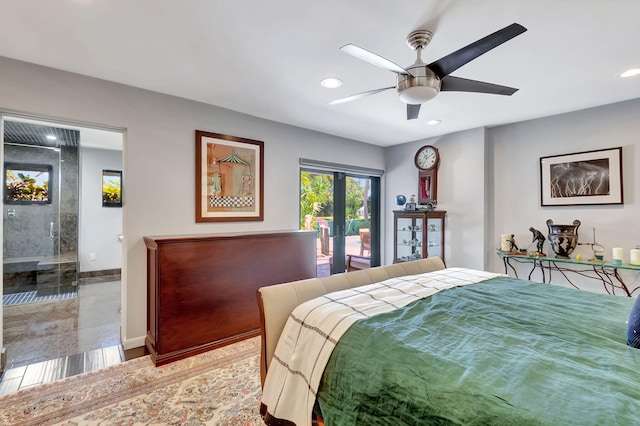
point(433, 122)
point(631, 72)
point(419, 87)
point(416, 95)
point(331, 82)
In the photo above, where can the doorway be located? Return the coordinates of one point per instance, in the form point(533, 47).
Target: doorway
point(343, 208)
point(51, 308)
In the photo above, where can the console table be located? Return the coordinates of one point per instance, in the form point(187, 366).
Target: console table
point(603, 271)
point(201, 289)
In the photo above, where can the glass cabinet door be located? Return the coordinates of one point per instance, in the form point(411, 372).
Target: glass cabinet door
point(418, 234)
point(434, 237)
point(410, 231)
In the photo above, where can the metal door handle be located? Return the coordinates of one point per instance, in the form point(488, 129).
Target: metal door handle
point(51, 231)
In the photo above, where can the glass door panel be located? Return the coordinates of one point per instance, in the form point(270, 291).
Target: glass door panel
point(40, 212)
point(343, 210)
point(358, 220)
point(316, 214)
point(30, 220)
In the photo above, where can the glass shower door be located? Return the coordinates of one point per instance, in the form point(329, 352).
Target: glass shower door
point(40, 218)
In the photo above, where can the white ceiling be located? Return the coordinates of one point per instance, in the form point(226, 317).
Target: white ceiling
point(266, 58)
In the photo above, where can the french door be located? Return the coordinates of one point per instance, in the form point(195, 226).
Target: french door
point(344, 209)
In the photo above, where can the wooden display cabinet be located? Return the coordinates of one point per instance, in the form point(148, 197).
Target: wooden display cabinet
point(418, 234)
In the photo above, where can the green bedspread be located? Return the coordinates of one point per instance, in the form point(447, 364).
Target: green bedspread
point(501, 352)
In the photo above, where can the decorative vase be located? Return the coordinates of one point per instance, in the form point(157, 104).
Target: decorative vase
point(563, 238)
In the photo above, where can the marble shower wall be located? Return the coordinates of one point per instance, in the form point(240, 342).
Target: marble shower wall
point(69, 207)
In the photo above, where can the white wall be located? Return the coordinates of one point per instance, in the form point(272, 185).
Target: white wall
point(99, 226)
point(159, 160)
point(518, 148)
point(461, 193)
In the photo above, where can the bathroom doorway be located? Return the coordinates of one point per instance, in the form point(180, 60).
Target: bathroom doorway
point(59, 242)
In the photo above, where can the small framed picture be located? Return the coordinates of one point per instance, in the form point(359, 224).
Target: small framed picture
point(27, 183)
point(410, 207)
point(111, 188)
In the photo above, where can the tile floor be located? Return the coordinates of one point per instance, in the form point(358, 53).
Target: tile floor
point(50, 340)
point(25, 376)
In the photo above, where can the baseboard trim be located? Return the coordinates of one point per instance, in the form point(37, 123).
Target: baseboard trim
point(165, 358)
point(136, 342)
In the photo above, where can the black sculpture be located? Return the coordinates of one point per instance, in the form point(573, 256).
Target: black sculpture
point(512, 244)
point(539, 238)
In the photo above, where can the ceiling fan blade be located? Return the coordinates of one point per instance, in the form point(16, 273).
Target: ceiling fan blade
point(448, 64)
point(413, 111)
point(373, 59)
point(359, 95)
point(457, 84)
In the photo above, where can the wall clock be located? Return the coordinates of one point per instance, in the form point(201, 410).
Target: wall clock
point(427, 157)
point(427, 160)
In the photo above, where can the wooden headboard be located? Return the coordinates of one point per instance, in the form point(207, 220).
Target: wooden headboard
point(276, 302)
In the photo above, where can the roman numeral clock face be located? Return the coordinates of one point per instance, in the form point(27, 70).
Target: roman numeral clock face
point(426, 157)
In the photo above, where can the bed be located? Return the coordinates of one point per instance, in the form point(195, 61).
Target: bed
point(417, 343)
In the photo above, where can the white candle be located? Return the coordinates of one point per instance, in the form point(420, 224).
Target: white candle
point(634, 257)
point(618, 253)
point(505, 244)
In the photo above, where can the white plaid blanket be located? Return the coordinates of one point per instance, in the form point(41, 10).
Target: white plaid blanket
point(314, 328)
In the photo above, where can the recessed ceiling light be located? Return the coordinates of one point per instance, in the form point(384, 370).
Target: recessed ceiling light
point(331, 82)
point(51, 137)
point(433, 122)
point(630, 72)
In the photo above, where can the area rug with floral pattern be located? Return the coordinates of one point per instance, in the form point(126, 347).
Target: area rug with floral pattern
point(219, 387)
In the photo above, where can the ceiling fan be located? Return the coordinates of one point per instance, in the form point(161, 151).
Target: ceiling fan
point(420, 82)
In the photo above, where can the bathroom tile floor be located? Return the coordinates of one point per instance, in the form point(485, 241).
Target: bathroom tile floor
point(50, 340)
